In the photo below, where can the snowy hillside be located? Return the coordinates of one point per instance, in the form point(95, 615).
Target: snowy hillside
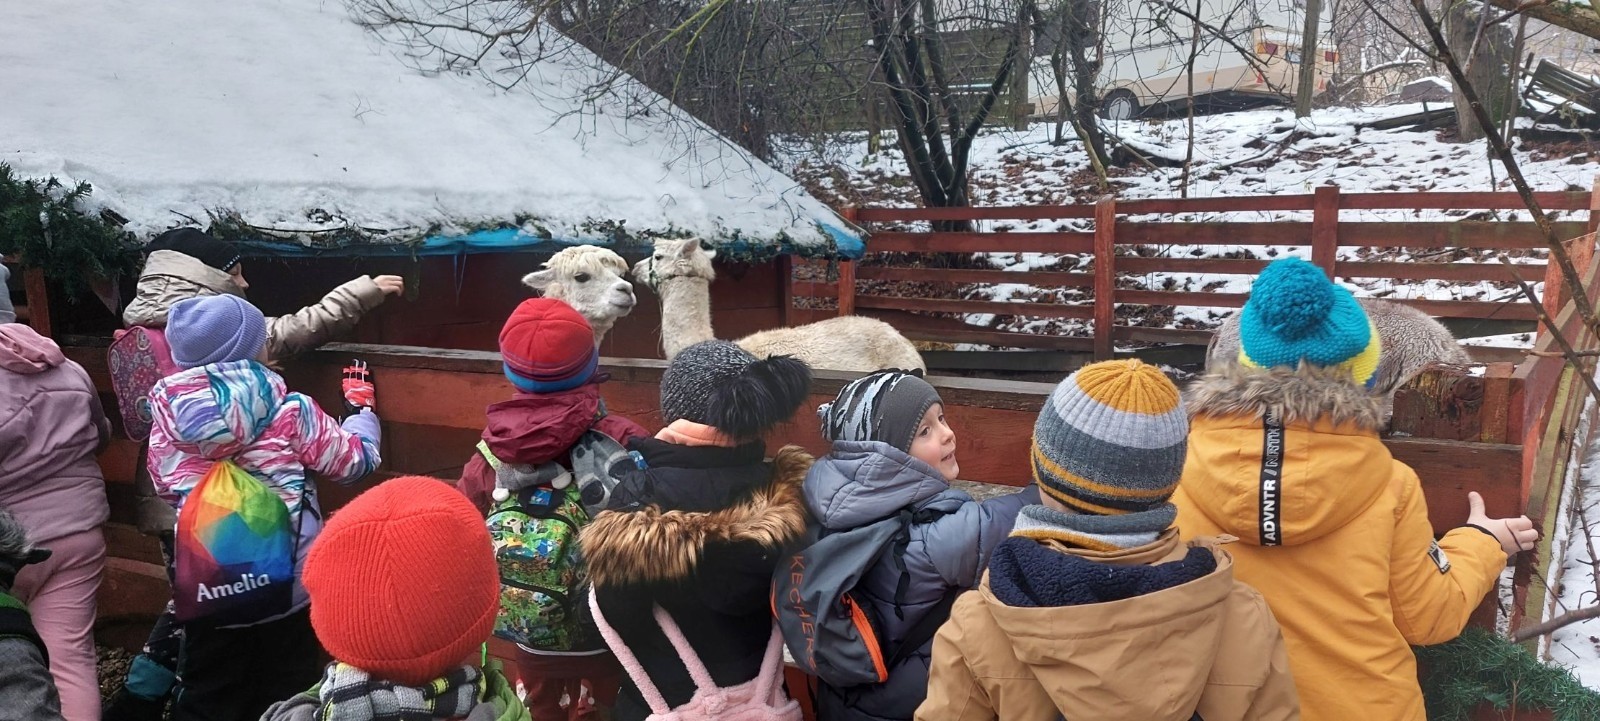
point(291, 115)
point(1261, 152)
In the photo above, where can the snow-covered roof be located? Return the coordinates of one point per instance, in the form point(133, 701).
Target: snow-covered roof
point(285, 115)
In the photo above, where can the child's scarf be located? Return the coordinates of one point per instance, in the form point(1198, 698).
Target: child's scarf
point(1095, 533)
point(349, 694)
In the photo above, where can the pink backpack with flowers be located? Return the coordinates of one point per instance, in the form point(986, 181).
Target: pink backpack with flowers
point(138, 358)
point(760, 699)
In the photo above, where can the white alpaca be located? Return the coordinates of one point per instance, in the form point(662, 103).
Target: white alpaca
point(589, 279)
point(1411, 340)
point(680, 271)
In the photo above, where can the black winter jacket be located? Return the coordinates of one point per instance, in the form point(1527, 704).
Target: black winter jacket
point(699, 531)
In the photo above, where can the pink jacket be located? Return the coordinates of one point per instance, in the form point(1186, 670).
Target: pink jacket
point(51, 428)
point(242, 412)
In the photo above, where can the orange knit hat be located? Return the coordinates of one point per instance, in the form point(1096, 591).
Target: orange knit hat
point(403, 581)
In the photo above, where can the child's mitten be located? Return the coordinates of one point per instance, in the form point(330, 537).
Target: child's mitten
point(357, 386)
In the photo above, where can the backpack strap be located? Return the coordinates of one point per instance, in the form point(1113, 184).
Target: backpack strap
point(630, 663)
point(489, 457)
point(16, 623)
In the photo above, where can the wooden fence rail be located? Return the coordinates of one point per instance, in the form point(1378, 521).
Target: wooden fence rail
point(1121, 234)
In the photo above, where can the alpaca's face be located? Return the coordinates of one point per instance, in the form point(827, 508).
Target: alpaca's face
point(588, 279)
point(675, 258)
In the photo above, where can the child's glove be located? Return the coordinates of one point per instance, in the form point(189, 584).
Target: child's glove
point(357, 385)
point(1514, 534)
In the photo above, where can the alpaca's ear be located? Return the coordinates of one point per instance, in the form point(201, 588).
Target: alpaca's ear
point(539, 280)
point(686, 250)
point(711, 253)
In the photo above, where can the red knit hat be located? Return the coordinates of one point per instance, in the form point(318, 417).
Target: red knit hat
point(547, 347)
point(403, 581)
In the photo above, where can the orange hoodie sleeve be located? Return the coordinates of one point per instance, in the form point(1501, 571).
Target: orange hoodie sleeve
point(954, 693)
point(1434, 589)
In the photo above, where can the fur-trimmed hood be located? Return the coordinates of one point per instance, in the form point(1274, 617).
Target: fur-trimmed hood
point(655, 546)
point(1302, 395)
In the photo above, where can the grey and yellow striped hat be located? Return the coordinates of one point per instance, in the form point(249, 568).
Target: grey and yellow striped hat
point(1111, 439)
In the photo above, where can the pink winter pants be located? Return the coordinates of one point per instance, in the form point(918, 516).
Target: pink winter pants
point(60, 594)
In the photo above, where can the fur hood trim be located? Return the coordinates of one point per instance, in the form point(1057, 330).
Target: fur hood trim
point(1303, 395)
point(654, 546)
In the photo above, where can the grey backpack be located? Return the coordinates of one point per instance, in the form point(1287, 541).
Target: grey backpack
point(829, 632)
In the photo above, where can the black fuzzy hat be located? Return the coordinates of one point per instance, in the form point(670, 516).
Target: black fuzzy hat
point(219, 254)
point(723, 386)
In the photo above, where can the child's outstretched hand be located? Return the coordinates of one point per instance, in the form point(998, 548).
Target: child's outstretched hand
point(358, 390)
point(390, 284)
point(1514, 534)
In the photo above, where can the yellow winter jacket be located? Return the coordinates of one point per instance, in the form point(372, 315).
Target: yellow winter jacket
point(1334, 533)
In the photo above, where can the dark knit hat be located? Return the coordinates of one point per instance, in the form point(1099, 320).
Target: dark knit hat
point(215, 329)
point(886, 406)
point(548, 347)
point(403, 581)
point(219, 254)
point(1111, 439)
point(723, 386)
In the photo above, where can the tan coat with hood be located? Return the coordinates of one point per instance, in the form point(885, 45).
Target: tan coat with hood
point(1207, 647)
point(1356, 577)
point(170, 276)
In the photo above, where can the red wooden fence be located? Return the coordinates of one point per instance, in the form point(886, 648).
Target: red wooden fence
point(1118, 233)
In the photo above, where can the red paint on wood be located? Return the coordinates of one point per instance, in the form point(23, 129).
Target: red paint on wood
point(897, 242)
point(1105, 276)
point(1325, 228)
point(847, 287)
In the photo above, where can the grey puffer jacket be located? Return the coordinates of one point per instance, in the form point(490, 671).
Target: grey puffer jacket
point(170, 276)
point(863, 482)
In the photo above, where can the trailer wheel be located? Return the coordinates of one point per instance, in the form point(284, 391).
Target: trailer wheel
point(1119, 105)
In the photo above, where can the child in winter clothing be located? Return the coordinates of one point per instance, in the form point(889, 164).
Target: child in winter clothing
point(225, 405)
point(51, 428)
point(698, 527)
point(1093, 608)
point(27, 691)
point(1284, 453)
point(551, 359)
point(403, 591)
point(892, 450)
point(185, 263)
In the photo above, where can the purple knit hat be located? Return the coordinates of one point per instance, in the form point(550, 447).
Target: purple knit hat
point(215, 329)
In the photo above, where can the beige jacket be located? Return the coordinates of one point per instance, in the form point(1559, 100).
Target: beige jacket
point(170, 276)
point(1209, 647)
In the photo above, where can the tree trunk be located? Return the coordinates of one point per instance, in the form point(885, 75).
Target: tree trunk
point(1488, 66)
point(1307, 85)
point(1081, 35)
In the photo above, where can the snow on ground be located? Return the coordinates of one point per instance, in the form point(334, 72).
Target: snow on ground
point(1577, 536)
point(289, 113)
point(1259, 152)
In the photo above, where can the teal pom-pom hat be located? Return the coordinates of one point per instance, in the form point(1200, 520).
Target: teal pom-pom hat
point(1296, 314)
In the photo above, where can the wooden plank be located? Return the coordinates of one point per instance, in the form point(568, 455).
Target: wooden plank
point(937, 305)
point(1505, 310)
point(1037, 278)
point(896, 242)
point(1172, 297)
point(1179, 336)
point(1499, 235)
point(786, 289)
point(38, 294)
point(1446, 402)
point(998, 212)
point(1497, 394)
point(1234, 204)
point(1530, 272)
point(1477, 200)
point(1231, 266)
point(1269, 233)
point(1449, 469)
point(847, 287)
point(1325, 228)
point(1105, 277)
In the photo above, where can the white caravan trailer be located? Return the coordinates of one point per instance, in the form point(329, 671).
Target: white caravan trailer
point(1249, 53)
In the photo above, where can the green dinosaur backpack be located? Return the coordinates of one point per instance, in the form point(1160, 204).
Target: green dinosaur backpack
point(534, 525)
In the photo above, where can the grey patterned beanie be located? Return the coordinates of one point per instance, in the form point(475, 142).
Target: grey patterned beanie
point(723, 386)
point(886, 406)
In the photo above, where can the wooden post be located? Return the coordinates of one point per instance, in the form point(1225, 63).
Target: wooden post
point(786, 290)
point(1581, 250)
point(1325, 228)
point(847, 287)
point(38, 301)
point(1105, 276)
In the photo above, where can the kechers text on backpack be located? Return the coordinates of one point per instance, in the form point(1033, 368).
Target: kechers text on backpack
point(1272, 480)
